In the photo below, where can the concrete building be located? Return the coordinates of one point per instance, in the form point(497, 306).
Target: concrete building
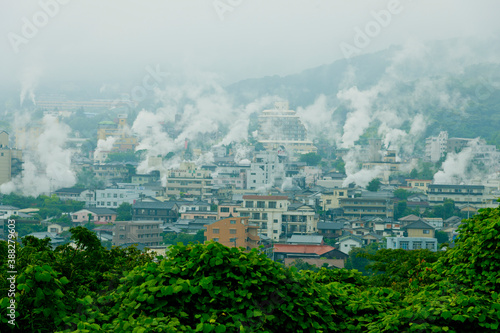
point(230, 176)
point(283, 127)
point(78, 194)
point(234, 232)
point(298, 219)
point(114, 197)
point(188, 179)
point(477, 196)
point(412, 243)
point(266, 212)
point(367, 206)
point(228, 209)
point(331, 199)
point(8, 211)
point(436, 146)
point(164, 211)
point(11, 160)
point(419, 184)
point(147, 233)
point(267, 169)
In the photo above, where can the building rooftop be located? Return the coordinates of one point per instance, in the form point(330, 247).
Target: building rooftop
point(265, 197)
point(303, 248)
point(305, 239)
point(330, 226)
point(155, 205)
point(419, 225)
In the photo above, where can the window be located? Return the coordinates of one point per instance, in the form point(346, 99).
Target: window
point(275, 221)
point(417, 245)
point(232, 231)
point(122, 228)
point(115, 195)
point(426, 231)
point(403, 245)
point(275, 231)
point(232, 221)
point(216, 239)
point(122, 236)
point(215, 231)
point(272, 204)
point(329, 201)
point(233, 240)
point(261, 204)
point(224, 209)
point(256, 216)
point(429, 245)
point(264, 216)
point(249, 204)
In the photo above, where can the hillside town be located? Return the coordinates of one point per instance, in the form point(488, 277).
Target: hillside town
point(281, 192)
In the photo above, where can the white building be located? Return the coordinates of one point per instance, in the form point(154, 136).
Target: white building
point(412, 243)
point(436, 146)
point(113, 198)
point(266, 169)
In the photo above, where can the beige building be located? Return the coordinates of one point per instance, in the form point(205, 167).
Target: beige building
point(234, 232)
point(420, 229)
point(10, 159)
point(120, 131)
point(266, 212)
point(331, 200)
point(420, 184)
point(189, 180)
point(147, 233)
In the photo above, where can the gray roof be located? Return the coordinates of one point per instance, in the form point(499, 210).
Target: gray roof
point(419, 225)
point(154, 205)
point(6, 207)
point(330, 226)
point(305, 239)
point(101, 211)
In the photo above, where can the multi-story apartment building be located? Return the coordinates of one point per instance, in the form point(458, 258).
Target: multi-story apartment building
point(299, 218)
point(331, 199)
point(111, 171)
point(367, 206)
point(165, 211)
point(189, 180)
point(234, 232)
point(137, 232)
point(266, 212)
point(436, 146)
point(477, 196)
point(267, 168)
point(114, 197)
point(283, 127)
point(228, 209)
point(230, 176)
point(419, 184)
point(412, 243)
point(10, 159)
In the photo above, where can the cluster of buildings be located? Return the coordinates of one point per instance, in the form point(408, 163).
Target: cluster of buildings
point(268, 198)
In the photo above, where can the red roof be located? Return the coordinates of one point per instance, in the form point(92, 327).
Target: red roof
point(291, 248)
point(265, 197)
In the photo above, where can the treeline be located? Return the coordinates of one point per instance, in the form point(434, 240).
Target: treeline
point(213, 288)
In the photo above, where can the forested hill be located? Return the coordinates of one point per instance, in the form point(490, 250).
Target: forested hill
point(455, 90)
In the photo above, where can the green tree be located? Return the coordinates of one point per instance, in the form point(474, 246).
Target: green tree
point(124, 212)
point(374, 185)
point(311, 159)
point(441, 236)
point(401, 193)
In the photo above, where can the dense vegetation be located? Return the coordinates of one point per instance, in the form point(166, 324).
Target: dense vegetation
point(212, 288)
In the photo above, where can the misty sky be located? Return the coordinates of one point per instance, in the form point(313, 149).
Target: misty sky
point(108, 40)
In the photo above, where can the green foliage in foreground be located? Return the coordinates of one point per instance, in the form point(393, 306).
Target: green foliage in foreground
point(212, 288)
